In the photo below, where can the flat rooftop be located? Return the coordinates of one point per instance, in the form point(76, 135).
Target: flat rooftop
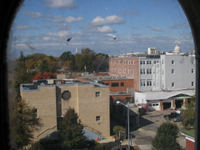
point(57, 82)
point(105, 78)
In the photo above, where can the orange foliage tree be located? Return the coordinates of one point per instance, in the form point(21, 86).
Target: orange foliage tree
point(45, 75)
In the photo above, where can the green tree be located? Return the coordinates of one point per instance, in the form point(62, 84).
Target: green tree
point(26, 122)
point(166, 137)
point(86, 58)
point(71, 130)
point(66, 56)
point(189, 113)
point(21, 73)
point(43, 66)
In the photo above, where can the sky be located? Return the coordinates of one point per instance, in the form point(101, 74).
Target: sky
point(43, 26)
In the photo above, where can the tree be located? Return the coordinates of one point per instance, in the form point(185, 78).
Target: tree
point(66, 56)
point(21, 73)
point(71, 130)
point(26, 122)
point(189, 114)
point(45, 75)
point(166, 137)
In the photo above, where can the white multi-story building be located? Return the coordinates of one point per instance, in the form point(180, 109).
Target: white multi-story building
point(158, 72)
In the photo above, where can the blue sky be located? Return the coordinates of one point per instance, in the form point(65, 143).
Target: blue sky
point(43, 26)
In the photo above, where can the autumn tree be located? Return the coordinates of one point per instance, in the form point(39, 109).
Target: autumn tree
point(166, 137)
point(26, 122)
point(71, 130)
point(45, 75)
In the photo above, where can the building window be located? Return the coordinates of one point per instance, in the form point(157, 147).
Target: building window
point(122, 83)
point(98, 118)
point(125, 62)
point(173, 84)
point(173, 62)
point(115, 84)
point(129, 71)
point(129, 62)
point(154, 62)
point(134, 71)
point(119, 61)
point(142, 82)
point(142, 62)
point(133, 62)
point(35, 112)
point(97, 94)
point(124, 70)
point(192, 83)
point(192, 71)
point(148, 71)
point(149, 82)
point(142, 71)
point(119, 70)
point(172, 71)
point(149, 62)
point(112, 70)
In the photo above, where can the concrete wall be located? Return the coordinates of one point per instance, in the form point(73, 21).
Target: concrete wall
point(182, 76)
point(44, 100)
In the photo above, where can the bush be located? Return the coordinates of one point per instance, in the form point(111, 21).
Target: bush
point(116, 129)
point(142, 111)
point(100, 147)
point(166, 137)
point(36, 146)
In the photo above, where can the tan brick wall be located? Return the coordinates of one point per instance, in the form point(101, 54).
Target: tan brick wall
point(44, 100)
point(50, 105)
point(126, 66)
point(91, 106)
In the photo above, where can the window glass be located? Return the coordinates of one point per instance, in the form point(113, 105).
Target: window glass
point(122, 83)
point(114, 84)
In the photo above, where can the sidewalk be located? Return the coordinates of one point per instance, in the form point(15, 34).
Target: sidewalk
point(110, 142)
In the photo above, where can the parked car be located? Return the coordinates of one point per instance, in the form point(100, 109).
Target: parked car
point(122, 147)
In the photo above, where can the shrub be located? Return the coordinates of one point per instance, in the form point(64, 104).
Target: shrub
point(116, 129)
point(36, 146)
point(100, 147)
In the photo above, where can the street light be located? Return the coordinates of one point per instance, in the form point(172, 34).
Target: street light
point(118, 102)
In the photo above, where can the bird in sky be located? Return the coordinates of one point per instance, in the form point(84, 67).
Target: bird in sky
point(69, 39)
point(114, 38)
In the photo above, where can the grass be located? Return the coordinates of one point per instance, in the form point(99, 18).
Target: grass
point(190, 132)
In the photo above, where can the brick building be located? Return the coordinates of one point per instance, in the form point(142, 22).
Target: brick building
point(53, 97)
point(121, 88)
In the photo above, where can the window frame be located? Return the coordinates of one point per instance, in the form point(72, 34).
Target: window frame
point(97, 94)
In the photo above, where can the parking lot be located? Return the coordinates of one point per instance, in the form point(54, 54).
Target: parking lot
point(146, 132)
point(143, 135)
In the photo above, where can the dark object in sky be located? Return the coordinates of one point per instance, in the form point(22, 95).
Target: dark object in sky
point(114, 38)
point(69, 39)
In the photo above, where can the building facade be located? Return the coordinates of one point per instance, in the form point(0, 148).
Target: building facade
point(157, 72)
point(52, 99)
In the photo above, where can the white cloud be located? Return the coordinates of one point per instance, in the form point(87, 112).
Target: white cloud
point(98, 21)
point(67, 19)
point(155, 28)
point(23, 27)
point(60, 33)
point(111, 35)
point(104, 29)
point(61, 4)
point(33, 14)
